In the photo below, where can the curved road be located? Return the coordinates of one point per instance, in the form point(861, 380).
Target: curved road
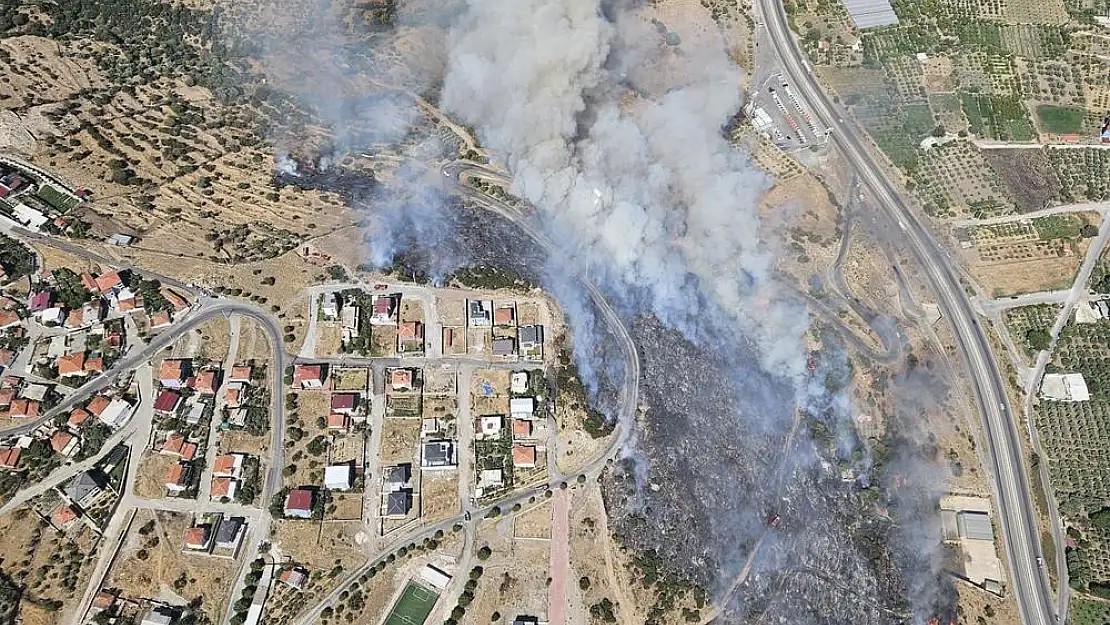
point(1016, 514)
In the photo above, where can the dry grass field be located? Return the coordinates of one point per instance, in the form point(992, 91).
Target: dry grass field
point(153, 565)
point(399, 441)
point(150, 481)
point(439, 494)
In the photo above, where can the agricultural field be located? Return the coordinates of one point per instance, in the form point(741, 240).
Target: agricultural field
point(1037, 255)
point(1026, 175)
point(1084, 174)
point(1060, 119)
point(1029, 326)
point(1083, 611)
point(956, 181)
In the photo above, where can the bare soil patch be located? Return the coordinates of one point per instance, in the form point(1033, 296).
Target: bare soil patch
point(1028, 175)
point(399, 441)
point(439, 494)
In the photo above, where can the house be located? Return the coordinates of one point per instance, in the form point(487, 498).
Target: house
point(196, 538)
point(329, 306)
point(518, 382)
point(224, 487)
point(207, 382)
point(160, 319)
point(230, 533)
point(338, 477)
point(6, 396)
point(108, 282)
point(522, 428)
point(160, 615)
point(348, 319)
point(105, 599)
point(9, 457)
point(396, 477)
point(504, 315)
point(89, 282)
point(94, 365)
point(174, 299)
point(530, 337)
point(410, 336)
point(63, 442)
point(174, 372)
point(504, 346)
point(298, 503)
point(36, 392)
point(166, 403)
point(438, 455)
point(24, 409)
point(176, 445)
point(309, 376)
point(478, 313)
point(178, 477)
point(40, 301)
point(488, 426)
point(228, 465)
point(339, 422)
point(522, 407)
point(344, 403)
point(233, 395)
point(400, 379)
point(91, 314)
point(240, 374)
point(72, 365)
point(524, 456)
point(77, 417)
point(97, 405)
point(196, 412)
point(294, 578)
point(8, 319)
point(398, 503)
point(430, 427)
point(383, 309)
point(128, 302)
point(116, 413)
point(63, 516)
point(53, 316)
point(489, 479)
point(84, 488)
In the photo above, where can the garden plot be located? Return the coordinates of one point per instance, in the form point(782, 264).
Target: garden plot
point(1084, 174)
point(906, 75)
point(1022, 257)
point(1029, 326)
point(956, 182)
point(1034, 12)
point(1051, 81)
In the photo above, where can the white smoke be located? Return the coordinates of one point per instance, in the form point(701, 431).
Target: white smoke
point(619, 143)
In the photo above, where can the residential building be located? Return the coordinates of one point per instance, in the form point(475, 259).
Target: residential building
point(178, 477)
point(228, 465)
point(518, 382)
point(504, 346)
point(344, 403)
point(396, 477)
point(524, 456)
point(522, 407)
point(63, 516)
point(339, 422)
point(77, 417)
point(98, 404)
point(64, 443)
point(8, 319)
point(116, 413)
point(339, 477)
point(522, 428)
point(23, 408)
point(207, 381)
point(488, 480)
point(309, 376)
point(384, 309)
point(196, 538)
point(329, 306)
point(400, 380)
point(488, 426)
point(230, 533)
point(348, 319)
point(504, 315)
point(479, 313)
point(295, 578)
point(85, 487)
point(108, 282)
point(240, 374)
point(105, 600)
point(438, 455)
point(159, 615)
point(530, 337)
point(233, 394)
point(9, 457)
point(160, 319)
point(94, 365)
point(223, 487)
point(410, 337)
point(6, 397)
point(174, 372)
point(39, 301)
point(176, 445)
point(298, 503)
point(53, 316)
point(174, 299)
point(398, 503)
point(166, 403)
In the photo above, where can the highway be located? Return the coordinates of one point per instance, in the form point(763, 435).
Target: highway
point(1015, 510)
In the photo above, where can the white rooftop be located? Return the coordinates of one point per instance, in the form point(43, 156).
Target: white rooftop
point(1065, 387)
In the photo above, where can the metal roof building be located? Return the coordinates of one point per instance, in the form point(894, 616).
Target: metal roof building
point(871, 13)
point(975, 525)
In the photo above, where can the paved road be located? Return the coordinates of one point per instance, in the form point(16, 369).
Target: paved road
point(1016, 514)
point(1085, 207)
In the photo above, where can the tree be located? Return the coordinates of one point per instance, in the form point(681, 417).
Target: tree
point(1038, 338)
point(484, 553)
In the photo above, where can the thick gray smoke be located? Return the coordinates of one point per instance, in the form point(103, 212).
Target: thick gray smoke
point(654, 195)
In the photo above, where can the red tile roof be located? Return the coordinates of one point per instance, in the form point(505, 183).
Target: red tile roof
point(344, 401)
point(410, 331)
point(176, 474)
point(166, 401)
point(196, 537)
point(338, 421)
point(24, 408)
point(299, 499)
point(524, 455)
point(221, 486)
point(60, 440)
point(6, 396)
point(78, 416)
point(207, 381)
point(71, 364)
point(504, 315)
point(308, 373)
point(63, 515)
point(98, 404)
point(9, 457)
point(108, 281)
point(522, 428)
point(94, 365)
